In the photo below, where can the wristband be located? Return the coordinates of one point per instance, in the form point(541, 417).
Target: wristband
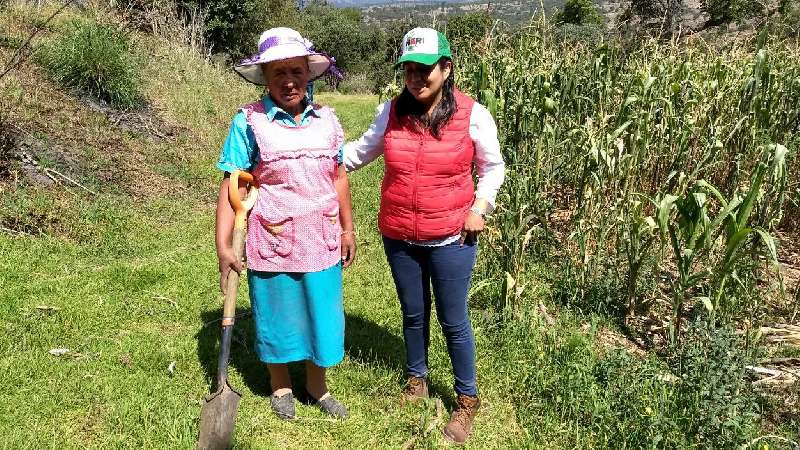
point(353, 232)
point(478, 211)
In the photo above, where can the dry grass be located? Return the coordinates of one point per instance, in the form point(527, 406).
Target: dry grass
point(135, 152)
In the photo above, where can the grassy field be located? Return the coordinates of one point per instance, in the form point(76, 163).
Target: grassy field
point(141, 296)
point(125, 278)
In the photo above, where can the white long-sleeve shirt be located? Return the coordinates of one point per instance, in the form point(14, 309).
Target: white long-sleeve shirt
point(482, 129)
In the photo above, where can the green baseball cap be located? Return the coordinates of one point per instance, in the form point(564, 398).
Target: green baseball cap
point(424, 46)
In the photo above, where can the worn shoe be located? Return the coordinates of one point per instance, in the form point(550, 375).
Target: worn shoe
point(460, 425)
point(283, 406)
point(332, 407)
point(415, 390)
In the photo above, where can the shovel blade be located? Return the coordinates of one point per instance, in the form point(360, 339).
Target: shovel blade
point(217, 419)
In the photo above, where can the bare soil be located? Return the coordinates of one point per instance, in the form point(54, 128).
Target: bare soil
point(50, 136)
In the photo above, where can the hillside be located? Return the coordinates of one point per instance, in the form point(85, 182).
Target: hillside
point(513, 12)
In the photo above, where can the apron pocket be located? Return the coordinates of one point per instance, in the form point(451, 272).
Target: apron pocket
point(331, 231)
point(278, 237)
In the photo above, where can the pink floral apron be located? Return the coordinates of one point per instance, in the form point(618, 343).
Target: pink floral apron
point(294, 226)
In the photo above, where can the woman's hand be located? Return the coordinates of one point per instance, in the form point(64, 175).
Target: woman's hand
point(473, 226)
point(348, 248)
point(227, 262)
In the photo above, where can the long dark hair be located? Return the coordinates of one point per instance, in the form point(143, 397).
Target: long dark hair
point(407, 105)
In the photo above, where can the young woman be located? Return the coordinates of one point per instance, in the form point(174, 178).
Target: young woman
point(431, 214)
point(300, 232)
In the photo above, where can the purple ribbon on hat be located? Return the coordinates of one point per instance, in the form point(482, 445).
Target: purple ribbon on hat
point(274, 41)
point(268, 43)
point(332, 69)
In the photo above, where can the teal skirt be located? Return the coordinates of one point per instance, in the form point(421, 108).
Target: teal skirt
point(298, 316)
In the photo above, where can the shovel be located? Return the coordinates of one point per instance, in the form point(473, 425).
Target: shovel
point(218, 416)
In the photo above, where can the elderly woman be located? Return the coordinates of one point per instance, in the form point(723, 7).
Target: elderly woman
point(431, 136)
point(300, 232)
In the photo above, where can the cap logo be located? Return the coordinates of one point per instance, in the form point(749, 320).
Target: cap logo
point(412, 42)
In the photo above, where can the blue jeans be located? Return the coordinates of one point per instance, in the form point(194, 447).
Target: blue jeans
point(448, 270)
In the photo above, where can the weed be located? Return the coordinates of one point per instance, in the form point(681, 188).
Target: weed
point(94, 58)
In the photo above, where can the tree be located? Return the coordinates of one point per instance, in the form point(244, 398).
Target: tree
point(662, 14)
point(233, 26)
point(342, 33)
point(382, 69)
point(728, 11)
point(578, 12)
point(791, 14)
point(465, 30)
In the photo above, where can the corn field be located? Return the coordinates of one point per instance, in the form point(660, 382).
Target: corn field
point(654, 173)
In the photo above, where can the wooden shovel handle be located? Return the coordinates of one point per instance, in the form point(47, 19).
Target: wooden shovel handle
point(240, 208)
point(232, 289)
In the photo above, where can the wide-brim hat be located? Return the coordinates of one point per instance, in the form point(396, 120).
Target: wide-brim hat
point(280, 43)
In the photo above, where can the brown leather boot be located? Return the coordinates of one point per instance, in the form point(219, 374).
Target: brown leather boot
point(460, 425)
point(416, 389)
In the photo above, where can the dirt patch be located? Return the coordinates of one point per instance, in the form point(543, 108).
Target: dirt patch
point(40, 162)
point(30, 225)
point(143, 122)
point(789, 261)
point(8, 143)
point(608, 340)
point(81, 143)
point(789, 255)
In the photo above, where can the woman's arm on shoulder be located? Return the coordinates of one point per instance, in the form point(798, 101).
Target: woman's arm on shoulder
point(370, 145)
point(488, 158)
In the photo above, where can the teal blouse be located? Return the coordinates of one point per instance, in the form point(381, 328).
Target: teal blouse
point(240, 150)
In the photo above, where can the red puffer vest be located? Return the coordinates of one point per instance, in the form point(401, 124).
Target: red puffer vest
point(427, 185)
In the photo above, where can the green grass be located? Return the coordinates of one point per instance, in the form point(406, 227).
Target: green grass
point(95, 58)
point(134, 298)
point(138, 293)
point(129, 285)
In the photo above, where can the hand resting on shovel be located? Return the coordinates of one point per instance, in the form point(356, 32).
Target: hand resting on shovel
point(218, 414)
point(228, 262)
point(225, 217)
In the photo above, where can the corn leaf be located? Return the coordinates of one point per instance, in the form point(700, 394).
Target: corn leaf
point(733, 245)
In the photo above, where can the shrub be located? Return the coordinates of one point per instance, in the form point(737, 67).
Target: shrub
point(791, 14)
point(381, 63)
point(96, 59)
point(697, 398)
point(8, 144)
point(356, 83)
point(341, 33)
point(713, 402)
point(465, 30)
point(661, 17)
point(12, 42)
point(580, 34)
